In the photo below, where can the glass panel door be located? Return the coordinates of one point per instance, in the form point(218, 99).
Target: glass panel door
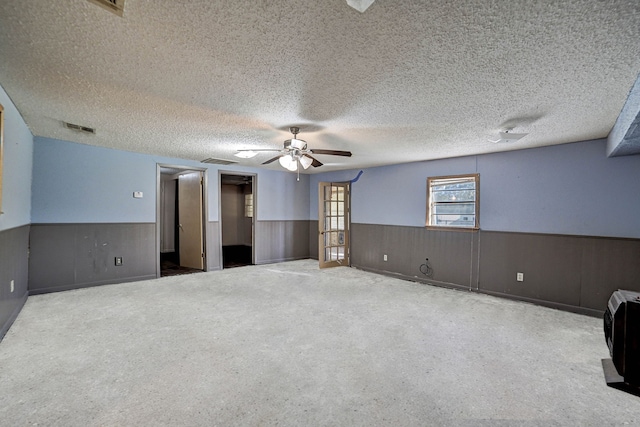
point(333, 240)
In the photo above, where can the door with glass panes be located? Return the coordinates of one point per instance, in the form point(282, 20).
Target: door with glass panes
point(334, 220)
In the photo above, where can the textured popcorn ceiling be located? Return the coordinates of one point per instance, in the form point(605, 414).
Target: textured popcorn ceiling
point(404, 81)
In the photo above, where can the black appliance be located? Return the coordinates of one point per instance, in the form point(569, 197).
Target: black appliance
point(622, 334)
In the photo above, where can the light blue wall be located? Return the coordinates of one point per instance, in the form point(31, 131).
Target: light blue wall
point(282, 197)
point(16, 177)
point(75, 183)
point(391, 194)
point(566, 189)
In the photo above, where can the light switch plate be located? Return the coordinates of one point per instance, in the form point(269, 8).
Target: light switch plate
point(137, 194)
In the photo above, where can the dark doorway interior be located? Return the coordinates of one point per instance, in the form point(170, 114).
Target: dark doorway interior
point(170, 265)
point(236, 256)
point(237, 212)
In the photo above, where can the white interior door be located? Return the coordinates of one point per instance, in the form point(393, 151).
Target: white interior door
point(190, 220)
point(334, 222)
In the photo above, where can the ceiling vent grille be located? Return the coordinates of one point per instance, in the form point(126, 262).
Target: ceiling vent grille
point(83, 129)
point(218, 161)
point(115, 6)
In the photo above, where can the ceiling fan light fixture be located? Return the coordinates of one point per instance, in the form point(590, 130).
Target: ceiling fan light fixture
point(296, 154)
point(246, 154)
point(288, 162)
point(293, 166)
point(306, 162)
point(285, 161)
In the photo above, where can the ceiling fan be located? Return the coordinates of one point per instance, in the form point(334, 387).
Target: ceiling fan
point(295, 153)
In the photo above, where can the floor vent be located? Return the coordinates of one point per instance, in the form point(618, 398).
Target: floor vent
point(115, 6)
point(218, 161)
point(83, 129)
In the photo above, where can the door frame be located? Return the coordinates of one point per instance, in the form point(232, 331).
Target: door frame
point(254, 220)
point(322, 262)
point(159, 167)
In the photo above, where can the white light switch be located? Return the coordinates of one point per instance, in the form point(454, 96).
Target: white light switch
point(13, 286)
point(137, 194)
point(520, 277)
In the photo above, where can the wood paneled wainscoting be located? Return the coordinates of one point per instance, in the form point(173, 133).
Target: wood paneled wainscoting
point(573, 273)
point(14, 272)
point(278, 241)
point(72, 256)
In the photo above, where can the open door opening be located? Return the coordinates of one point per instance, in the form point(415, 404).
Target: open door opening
point(334, 223)
point(237, 219)
point(181, 221)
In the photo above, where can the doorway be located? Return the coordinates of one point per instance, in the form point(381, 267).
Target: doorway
point(181, 220)
point(334, 223)
point(237, 219)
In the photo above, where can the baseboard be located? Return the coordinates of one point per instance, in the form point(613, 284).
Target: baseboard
point(275, 261)
point(89, 285)
point(558, 306)
point(14, 315)
point(550, 304)
point(418, 279)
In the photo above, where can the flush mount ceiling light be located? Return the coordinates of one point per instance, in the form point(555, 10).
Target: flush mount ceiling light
point(507, 137)
point(246, 154)
point(360, 5)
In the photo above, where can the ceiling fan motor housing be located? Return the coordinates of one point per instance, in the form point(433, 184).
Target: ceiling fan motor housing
point(295, 144)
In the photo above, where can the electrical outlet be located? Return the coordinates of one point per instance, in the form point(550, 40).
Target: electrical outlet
point(384, 257)
point(13, 286)
point(520, 277)
point(118, 260)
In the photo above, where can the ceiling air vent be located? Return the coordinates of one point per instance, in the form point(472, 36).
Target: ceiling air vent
point(83, 129)
point(218, 161)
point(115, 6)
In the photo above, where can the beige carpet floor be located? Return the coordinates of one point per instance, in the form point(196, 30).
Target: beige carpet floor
point(289, 344)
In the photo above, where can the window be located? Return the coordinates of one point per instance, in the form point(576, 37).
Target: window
point(248, 205)
point(452, 201)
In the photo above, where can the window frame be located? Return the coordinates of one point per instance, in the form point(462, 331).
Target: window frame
point(471, 176)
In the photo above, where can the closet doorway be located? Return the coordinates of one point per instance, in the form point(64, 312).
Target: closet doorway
point(237, 219)
point(181, 220)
